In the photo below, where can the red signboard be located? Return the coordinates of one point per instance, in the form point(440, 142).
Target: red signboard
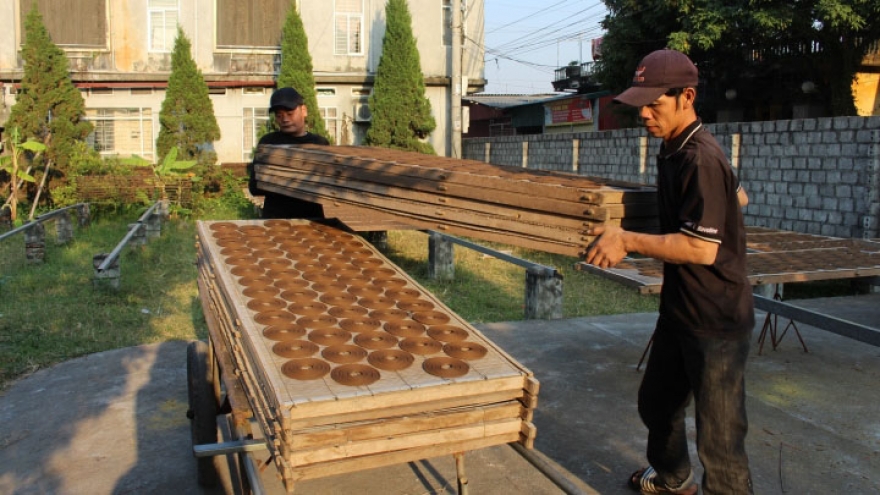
point(577, 110)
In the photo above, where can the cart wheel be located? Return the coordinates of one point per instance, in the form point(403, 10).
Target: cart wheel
point(202, 408)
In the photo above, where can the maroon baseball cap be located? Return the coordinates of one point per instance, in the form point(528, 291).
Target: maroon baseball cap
point(656, 74)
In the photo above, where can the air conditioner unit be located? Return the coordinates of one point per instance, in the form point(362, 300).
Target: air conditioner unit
point(362, 112)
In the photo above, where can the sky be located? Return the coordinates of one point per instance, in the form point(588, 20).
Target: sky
point(527, 40)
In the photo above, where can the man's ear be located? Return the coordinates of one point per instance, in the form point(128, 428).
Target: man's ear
point(689, 95)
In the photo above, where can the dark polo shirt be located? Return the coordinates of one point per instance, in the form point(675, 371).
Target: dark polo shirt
point(697, 196)
point(278, 205)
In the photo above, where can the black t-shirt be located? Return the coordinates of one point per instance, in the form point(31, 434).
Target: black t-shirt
point(278, 205)
point(697, 195)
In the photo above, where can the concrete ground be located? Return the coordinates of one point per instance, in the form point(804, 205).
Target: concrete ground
point(115, 422)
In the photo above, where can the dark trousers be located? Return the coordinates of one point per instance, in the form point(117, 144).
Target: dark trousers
point(711, 371)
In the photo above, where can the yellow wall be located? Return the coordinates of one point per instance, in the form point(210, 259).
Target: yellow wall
point(866, 90)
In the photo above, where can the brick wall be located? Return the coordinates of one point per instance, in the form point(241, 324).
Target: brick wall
point(817, 176)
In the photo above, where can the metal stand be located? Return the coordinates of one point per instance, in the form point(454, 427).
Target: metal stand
point(771, 326)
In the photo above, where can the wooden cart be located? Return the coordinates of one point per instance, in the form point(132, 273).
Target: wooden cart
point(329, 358)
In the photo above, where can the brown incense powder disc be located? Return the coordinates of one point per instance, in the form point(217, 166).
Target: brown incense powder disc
point(365, 291)
point(347, 312)
point(329, 336)
point(287, 284)
point(299, 295)
point(320, 321)
point(330, 287)
point(310, 266)
point(389, 314)
point(295, 348)
point(319, 277)
point(276, 224)
point(278, 272)
point(375, 340)
point(247, 271)
point(220, 226)
point(305, 368)
point(445, 367)
point(344, 354)
point(360, 324)
point(261, 281)
point(268, 304)
point(407, 328)
point(241, 260)
point(270, 318)
point(375, 273)
point(391, 359)
point(417, 306)
point(367, 263)
point(377, 302)
point(357, 254)
point(389, 282)
point(253, 230)
point(431, 318)
point(308, 308)
point(284, 331)
point(403, 294)
point(235, 251)
point(275, 264)
point(447, 333)
point(230, 242)
point(324, 249)
point(338, 299)
point(348, 274)
point(421, 345)
point(468, 351)
point(355, 375)
point(261, 292)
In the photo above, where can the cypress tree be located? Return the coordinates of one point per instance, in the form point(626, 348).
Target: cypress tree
point(296, 69)
point(401, 112)
point(48, 105)
point(187, 119)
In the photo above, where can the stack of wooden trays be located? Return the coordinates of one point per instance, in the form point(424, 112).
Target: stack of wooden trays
point(547, 211)
point(347, 362)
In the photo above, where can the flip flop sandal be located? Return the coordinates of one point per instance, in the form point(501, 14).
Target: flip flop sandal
point(645, 481)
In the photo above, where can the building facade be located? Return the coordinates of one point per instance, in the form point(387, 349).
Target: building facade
point(120, 58)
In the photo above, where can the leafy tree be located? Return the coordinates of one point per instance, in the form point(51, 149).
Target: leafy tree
point(771, 44)
point(296, 69)
point(401, 112)
point(12, 165)
point(186, 120)
point(48, 107)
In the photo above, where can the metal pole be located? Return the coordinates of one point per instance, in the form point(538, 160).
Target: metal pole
point(457, 90)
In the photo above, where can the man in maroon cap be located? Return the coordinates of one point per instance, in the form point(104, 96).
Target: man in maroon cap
point(701, 341)
point(290, 113)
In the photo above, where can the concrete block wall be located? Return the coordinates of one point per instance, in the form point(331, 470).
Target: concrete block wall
point(816, 176)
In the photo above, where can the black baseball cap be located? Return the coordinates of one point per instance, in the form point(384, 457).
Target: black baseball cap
point(656, 74)
point(287, 98)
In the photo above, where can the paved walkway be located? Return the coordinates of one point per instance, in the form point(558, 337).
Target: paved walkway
point(115, 422)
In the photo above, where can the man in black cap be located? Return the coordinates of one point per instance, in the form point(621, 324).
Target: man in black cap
point(290, 113)
point(701, 341)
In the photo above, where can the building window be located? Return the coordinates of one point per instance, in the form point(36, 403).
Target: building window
point(122, 131)
point(331, 122)
point(349, 15)
point(446, 28)
point(162, 18)
point(253, 121)
point(251, 23)
point(71, 23)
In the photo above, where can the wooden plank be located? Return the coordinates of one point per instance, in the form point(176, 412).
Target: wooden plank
point(482, 176)
point(349, 432)
point(402, 186)
point(341, 466)
point(405, 441)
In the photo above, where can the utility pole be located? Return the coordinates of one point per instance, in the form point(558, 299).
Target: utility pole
point(456, 80)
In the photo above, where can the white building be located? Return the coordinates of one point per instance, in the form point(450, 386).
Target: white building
point(120, 58)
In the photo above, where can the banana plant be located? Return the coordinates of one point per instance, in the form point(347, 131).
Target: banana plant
point(11, 164)
point(169, 167)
